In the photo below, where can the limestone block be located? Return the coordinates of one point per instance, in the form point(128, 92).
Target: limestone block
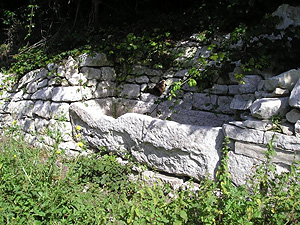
point(77, 79)
point(60, 111)
point(258, 152)
point(32, 87)
point(233, 89)
point(32, 76)
point(282, 141)
point(290, 15)
point(219, 89)
point(43, 94)
point(241, 167)
point(95, 59)
point(42, 109)
point(195, 117)
point(165, 145)
point(108, 73)
point(18, 96)
point(294, 100)
point(105, 89)
point(140, 70)
point(250, 85)
point(223, 104)
point(142, 79)
point(71, 94)
point(285, 80)
point(130, 91)
point(20, 108)
point(293, 116)
point(265, 108)
point(242, 102)
point(92, 73)
point(203, 101)
point(243, 134)
point(263, 125)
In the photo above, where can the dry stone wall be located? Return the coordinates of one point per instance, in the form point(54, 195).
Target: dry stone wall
point(184, 139)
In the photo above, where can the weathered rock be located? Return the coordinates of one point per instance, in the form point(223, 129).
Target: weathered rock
point(282, 141)
point(223, 104)
point(105, 89)
point(77, 79)
point(61, 129)
point(165, 145)
point(293, 116)
point(295, 95)
point(259, 151)
point(242, 102)
point(265, 108)
point(130, 91)
point(219, 89)
point(71, 94)
point(142, 79)
point(42, 109)
point(60, 111)
point(241, 167)
point(43, 94)
point(20, 109)
point(250, 85)
point(194, 117)
point(32, 76)
point(203, 101)
point(140, 70)
point(285, 80)
point(96, 60)
point(243, 134)
point(182, 73)
point(289, 15)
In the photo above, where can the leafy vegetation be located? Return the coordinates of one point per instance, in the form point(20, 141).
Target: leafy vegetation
point(39, 186)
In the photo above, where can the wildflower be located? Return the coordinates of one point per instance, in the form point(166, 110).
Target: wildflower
point(14, 123)
point(78, 135)
point(78, 127)
point(80, 144)
point(15, 156)
point(58, 152)
point(1, 209)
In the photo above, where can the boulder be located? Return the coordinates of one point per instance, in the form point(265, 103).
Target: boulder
point(289, 15)
point(180, 149)
point(285, 80)
point(265, 108)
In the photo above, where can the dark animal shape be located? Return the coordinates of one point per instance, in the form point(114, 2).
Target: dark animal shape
point(158, 89)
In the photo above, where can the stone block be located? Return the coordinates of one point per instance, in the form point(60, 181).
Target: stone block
point(243, 134)
point(293, 116)
point(250, 85)
point(71, 94)
point(294, 100)
point(130, 91)
point(105, 89)
point(95, 60)
point(285, 80)
point(43, 94)
point(265, 108)
point(242, 102)
point(203, 101)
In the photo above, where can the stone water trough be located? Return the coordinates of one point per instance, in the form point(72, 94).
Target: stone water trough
point(168, 146)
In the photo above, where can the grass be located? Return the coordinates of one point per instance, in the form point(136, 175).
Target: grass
point(39, 186)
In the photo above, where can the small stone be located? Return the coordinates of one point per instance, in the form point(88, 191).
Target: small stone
point(293, 116)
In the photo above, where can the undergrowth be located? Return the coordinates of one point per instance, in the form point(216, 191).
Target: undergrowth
point(39, 186)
